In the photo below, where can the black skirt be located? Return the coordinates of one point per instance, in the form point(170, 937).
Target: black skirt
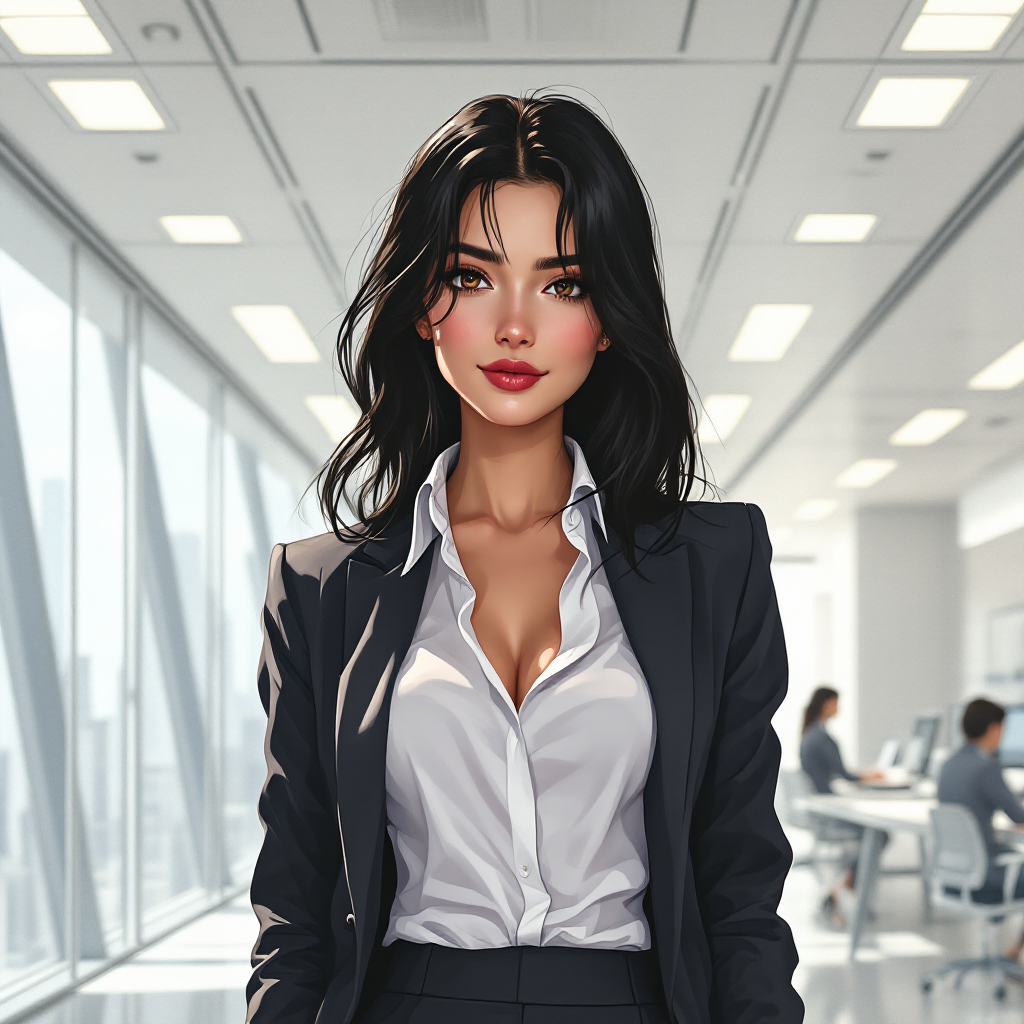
point(429, 984)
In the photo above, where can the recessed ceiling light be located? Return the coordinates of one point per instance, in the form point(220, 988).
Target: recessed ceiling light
point(835, 227)
point(1001, 374)
point(865, 472)
point(928, 426)
point(336, 415)
point(721, 414)
point(958, 32)
point(972, 7)
point(278, 333)
point(768, 331)
point(815, 509)
point(911, 102)
point(108, 104)
point(192, 230)
point(77, 35)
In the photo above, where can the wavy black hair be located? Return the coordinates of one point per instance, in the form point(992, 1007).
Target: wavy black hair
point(633, 416)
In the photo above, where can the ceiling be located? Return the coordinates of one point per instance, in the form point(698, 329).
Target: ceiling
point(296, 118)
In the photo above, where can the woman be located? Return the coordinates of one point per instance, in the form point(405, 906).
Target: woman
point(823, 763)
point(521, 765)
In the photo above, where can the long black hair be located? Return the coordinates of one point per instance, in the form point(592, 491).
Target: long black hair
point(633, 416)
point(812, 713)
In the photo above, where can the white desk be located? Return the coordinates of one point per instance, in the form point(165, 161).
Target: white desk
point(880, 812)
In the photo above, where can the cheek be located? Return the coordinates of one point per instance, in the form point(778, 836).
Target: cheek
point(574, 340)
point(461, 332)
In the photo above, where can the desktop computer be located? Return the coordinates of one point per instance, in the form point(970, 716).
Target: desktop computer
point(1011, 749)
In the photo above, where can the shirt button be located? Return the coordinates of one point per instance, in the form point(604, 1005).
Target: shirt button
point(525, 870)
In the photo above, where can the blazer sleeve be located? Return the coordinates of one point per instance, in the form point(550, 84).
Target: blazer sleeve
point(299, 863)
point(740, 853)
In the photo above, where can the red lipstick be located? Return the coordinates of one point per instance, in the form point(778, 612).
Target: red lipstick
point(512, 374)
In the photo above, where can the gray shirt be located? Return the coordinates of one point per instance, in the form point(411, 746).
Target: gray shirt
point(974, 779)
point(821, 760)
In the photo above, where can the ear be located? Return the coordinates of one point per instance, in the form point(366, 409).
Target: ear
point(424, 329)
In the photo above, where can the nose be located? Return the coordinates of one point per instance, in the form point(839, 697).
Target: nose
point(513, 330)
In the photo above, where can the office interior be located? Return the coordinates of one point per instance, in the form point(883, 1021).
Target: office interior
point(187, 190)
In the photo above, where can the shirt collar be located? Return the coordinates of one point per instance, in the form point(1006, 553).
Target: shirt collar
point(430, 510)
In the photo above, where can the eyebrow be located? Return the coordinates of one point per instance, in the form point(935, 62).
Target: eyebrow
point(490, 256)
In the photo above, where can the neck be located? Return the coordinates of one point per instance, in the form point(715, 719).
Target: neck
point(512, 475)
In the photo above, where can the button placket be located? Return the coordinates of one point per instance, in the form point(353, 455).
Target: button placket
point(522, 807)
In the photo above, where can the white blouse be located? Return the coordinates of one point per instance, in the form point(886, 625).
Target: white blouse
point(518, 828)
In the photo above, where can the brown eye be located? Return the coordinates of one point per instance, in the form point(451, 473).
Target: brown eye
point(466, 280)
point(566, 288)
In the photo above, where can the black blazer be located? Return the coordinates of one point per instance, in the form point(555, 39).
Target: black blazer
point(704, 625)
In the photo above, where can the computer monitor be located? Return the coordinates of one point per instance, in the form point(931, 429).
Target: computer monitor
point(1011, 748)
point(919, 748)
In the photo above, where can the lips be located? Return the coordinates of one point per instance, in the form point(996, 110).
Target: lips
point(512, 374)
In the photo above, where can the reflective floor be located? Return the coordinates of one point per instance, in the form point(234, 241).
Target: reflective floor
point(198, 975)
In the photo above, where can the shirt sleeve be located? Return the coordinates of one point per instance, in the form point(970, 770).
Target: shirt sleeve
point(999, 794)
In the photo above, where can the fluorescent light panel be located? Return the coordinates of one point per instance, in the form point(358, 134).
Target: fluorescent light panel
point(336, 415)
point(865, 473)
point(1010, 7)
point(835, 227)
point(768, 331)
point(815, 509)
point(201, 230)
point(277, 332)
point(911, 102)
point(721, 414)
point(928, 426)
point(1001, 374)
point(35, 36)
point(955, 32)
point(41, 8)
point(108, 104)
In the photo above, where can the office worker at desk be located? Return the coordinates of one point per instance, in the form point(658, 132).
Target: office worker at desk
point(819, 753)
point(973, 778)
point(823, 764)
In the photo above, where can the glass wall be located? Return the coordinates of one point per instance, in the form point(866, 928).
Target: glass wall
point(140, 496)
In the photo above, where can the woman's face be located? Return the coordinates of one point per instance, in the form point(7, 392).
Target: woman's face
point(830, 709)
point(522, 335)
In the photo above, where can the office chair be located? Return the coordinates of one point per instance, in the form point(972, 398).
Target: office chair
point(957, 868)
point(835, 842)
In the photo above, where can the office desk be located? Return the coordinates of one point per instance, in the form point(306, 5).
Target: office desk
point(878, 813)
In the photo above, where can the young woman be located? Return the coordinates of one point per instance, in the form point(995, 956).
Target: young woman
point(823, 763)
point(521, 765)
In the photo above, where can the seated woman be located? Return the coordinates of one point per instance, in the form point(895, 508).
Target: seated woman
point(822, 762)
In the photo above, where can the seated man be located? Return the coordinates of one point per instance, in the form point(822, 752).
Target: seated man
point(972, 777)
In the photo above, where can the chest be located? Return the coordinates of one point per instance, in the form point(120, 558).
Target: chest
point(517, 579)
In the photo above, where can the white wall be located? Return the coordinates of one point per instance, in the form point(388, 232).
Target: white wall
point(908, 610)
point(993, 581)
point(815, 592)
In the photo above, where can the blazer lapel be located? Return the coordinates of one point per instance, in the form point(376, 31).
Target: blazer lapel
point(656, 613)
point(382, 608)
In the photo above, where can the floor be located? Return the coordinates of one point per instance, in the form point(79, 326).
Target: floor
point(198, 975)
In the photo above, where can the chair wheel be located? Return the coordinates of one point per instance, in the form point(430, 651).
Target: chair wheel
point(926, 985)
point(1000, 992)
